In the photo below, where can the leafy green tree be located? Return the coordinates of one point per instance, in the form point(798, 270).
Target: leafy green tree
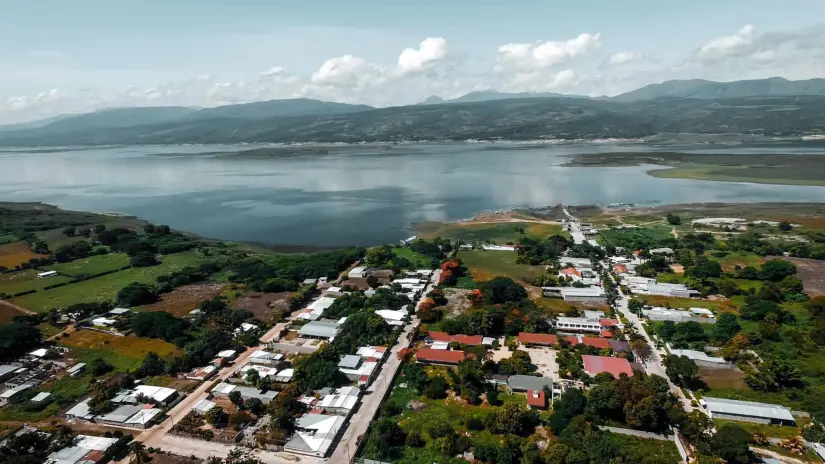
point(17, 338)
point(774, 374)
point(726, 327)
point(501, 290)
point(571, 404)
point(215, 416)
point(378, 256)
point(137, 294)
point(776, 270)
point(785, 226)
point(635, 305)
point(673, 219)
point(696, 427)
point(731, 444)
point(152, 365)
point(143, 259)
point(236, 398)
point(681, 369)
point(99, 366)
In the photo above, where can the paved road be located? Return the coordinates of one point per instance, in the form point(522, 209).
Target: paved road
point(371, 401)
point(575, 227)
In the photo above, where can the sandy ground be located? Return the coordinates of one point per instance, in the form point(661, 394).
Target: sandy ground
point(542, 357)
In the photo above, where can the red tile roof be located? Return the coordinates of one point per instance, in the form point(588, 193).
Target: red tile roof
point(471, 340)
point(607, 322)
point(620, 268)
point(439, 356)
point(597, 364)
point(571, 271)
point(536, 398)
point(606, 334)
point(538, 339)
point(599, 343)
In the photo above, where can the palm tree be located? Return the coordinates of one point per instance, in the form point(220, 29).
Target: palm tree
point(138, 453)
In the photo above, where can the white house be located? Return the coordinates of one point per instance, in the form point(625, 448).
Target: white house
point(359, 272)
point(45, 274)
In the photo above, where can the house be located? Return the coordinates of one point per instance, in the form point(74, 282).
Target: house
point(103, 321)
point(76, 370)
point(671, 290)
point(470, 340)
point(245, 327)
point(499, 247)
point(39, 353)
point(537, 399)
point(143, 419)
point(526, 338)
point(358, 369)
point(594, 365)
point(309, 282)
point(619, 346)
point(202, 373)
point(46, 274)
point(579, 263)
point(393, 317)
point(263, 371)
point(85, 450)
point(266, 358)
point(373, 353)
point(315, 434)
point(223, 390)
point(285, 375)
point(586, 295)
point(571, 272)
point(702, 359)
point(229, 355)
point(340, 401)
point(40, 397)
point(320, 330)
point(317, 308)
point(160, 395)
point(334, 292)
point(80, 411)
point(431, 356)
point(119, 415)
point(748, 411)
point(662, 251)
point(119, 311)
point(11, 395)
point(203, 406)
point(600, 343)
point(700, 315)
point(360, 272)
point(525, 383)
point(7, 371)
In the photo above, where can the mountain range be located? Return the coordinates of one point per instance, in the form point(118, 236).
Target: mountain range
point(769, 106)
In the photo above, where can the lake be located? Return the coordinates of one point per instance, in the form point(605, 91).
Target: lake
point(358, 195)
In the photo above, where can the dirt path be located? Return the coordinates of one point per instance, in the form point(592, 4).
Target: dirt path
point(18, 308)
point(775, 455)
point(674, 232)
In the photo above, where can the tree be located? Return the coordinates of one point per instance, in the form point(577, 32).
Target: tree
point(726, 327)
point(152, 365)
point(17, 338)
point(99, 366)
point(635, 306)
point(696, 427)
point(673, 219)
point(571, 404)
point(215, 416)
point(137, 294)
point(378, 256)
point(774, 374)
point(681, 369)
point(705, 268)
point(236, 398)
point(816, 306)
point(501, 290)
point(642, 350)
point(372, 281)
point(731, 444)
point(138, 453)
point(69, 231)
point(255, 406)
point(776, 270)
point(785, 226)
point(143, 259)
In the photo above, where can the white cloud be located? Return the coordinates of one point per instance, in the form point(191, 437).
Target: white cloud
point(731, 45)
point(430, 51)
point(621, 58)
point(273, 72)
point(542, 55)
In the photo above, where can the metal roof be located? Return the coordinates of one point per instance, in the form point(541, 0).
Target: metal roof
point(350, 361)
point(40, 397)
point(320, 329)
point(748, 408)
point(6, 369)
point(529, 382)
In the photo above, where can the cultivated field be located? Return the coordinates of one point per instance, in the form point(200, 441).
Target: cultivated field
point(484, 265)
point(125, 353)
point(181, 301)
point(92, 265)
point(497, 232)
point(105, 287)
point(23, 281)
point(15, 254)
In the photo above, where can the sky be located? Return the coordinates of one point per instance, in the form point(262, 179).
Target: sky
point(59, 57)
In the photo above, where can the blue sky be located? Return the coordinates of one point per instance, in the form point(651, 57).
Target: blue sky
point(58, 56)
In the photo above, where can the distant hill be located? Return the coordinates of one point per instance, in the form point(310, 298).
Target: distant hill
point(34, 124)
point(493, 95)
point(698, 88)
point(504, 119)
point(279, 108)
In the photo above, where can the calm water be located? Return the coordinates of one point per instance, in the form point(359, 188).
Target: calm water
point(357, 195)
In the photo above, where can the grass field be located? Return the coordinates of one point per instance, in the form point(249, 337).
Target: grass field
point(671, 302)
point(559, 306)
point(499, 233)
point(419, 261)
point(64, 393)
point(625, 237)
point(23, 281)
point(484, 265)
point(105, 287)
point(15, 254)
point(7, 238)
point(125, 353)
point(770, 431)
point(732, 260)
point(93, 265)
point(56, 239)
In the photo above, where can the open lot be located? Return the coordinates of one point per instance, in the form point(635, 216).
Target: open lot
point(18, 282)
point(484, 265)
point(557, 306)
point(182, 300)
point(15, 254)
point(264, 305)
point(672, 302)
point(125, 353)
point(419, 261)
point(626, 236)
point(105, 287)
point(732, 260)
point(92, 265)
point(56, 239)
point(812, 273)
point(497, 232)
point(722, 378)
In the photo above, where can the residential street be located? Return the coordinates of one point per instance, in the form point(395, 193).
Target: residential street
point(575, 228)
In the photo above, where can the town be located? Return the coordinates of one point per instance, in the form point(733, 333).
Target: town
point(430, 348)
